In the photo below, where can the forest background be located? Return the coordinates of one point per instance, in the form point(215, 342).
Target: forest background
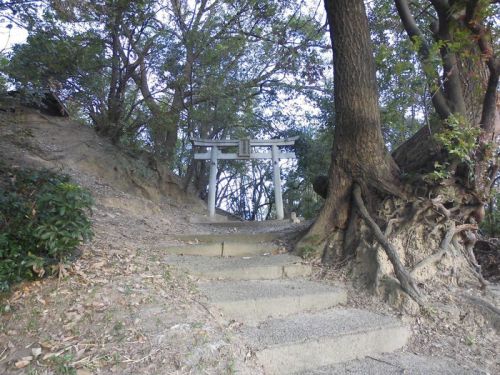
point(150, 75)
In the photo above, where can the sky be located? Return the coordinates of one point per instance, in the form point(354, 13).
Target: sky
point(9, 37)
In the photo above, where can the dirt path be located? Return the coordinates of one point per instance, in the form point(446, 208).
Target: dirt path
point(119, 309)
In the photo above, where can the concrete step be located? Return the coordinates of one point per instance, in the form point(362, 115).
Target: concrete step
point(395, 364)
point(255, 300)
point(226, 248)
point(242, 268)
point(232, 237)
point(308, 341)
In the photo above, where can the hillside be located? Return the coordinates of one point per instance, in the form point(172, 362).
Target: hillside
point(31, 139)
point(106, 312)
point(125, 307)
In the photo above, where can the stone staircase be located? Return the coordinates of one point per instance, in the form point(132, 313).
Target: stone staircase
point(294, 325)
point(256, 300)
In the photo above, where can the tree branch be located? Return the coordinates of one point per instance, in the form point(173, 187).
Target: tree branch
point(417, 38)
point(451, 77)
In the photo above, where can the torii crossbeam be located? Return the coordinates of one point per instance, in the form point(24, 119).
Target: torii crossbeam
point(244, 153)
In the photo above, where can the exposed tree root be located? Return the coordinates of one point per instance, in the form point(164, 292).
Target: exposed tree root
point(484, 304)
point(417, 212)
point(391, 224)
point(407, 282)
point(474, 266)
point(443, 249)
point(450, 238)
point(420, 240)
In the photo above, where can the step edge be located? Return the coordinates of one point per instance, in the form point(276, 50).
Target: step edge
point(352, 332)
point(342, 294)
point(264, 354)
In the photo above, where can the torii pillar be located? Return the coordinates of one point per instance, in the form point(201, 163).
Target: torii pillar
point(212, 181)
point(278, 198)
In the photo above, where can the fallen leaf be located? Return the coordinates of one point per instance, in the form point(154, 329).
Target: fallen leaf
point(182, 327)
point(16, 296)
point(48, 345)
point(22, 363)
point(98, 264)
point(98, 306)
point(79, 353)
point(40, 271)
point(50, 355)
point(36, 352)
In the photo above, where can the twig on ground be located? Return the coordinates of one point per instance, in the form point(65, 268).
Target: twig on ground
point(386, 362)
point(141, 359)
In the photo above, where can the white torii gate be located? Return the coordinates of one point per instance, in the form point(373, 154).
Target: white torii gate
point(244, 153)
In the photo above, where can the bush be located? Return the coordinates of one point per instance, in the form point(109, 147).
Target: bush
point(43, 218)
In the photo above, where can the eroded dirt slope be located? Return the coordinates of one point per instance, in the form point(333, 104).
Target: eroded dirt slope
point(118, 308)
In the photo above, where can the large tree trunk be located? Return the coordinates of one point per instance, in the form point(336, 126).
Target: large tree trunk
point(358, 153)
point(398, 242)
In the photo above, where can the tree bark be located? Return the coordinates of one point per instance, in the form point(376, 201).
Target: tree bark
point(358, 153)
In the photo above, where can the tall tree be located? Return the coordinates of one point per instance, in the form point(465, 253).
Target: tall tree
point(225, 56)
point(358, 153)
point(89, 65)
point(193, 67)
point(447, 166)
point(465, 93)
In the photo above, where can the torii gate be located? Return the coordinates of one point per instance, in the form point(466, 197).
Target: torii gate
point(244, 153)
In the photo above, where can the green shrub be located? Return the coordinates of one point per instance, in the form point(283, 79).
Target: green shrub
point(43, 218)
